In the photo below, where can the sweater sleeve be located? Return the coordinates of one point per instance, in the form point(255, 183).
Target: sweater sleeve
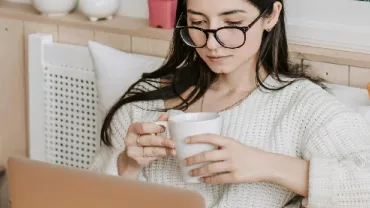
point(105, 160)
point(339, 155)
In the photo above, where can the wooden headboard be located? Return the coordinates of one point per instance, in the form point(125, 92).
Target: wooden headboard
point(17, 21)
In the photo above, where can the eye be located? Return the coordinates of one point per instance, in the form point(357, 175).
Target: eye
point(234, 23)
point(196, 22)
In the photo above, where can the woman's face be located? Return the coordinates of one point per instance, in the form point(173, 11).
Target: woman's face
point(213, 14)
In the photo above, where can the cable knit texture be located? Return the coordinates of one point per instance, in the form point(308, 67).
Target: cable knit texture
point(302, 121)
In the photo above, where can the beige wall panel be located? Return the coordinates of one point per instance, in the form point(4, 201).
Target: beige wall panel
point(75, 36)
point(121, 42)
point(12, 91)
point(34, 27)
point(337, 74)
point(150, 46)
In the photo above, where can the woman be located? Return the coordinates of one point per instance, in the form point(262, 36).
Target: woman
point(283, 136)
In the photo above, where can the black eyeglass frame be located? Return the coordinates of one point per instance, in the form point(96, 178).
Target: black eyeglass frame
point(214, 31)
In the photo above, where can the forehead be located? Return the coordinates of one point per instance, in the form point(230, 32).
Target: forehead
point(212, 7)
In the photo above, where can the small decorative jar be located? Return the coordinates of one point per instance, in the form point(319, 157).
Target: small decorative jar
point(54, 8)
point(99, 9)
point(162, 13)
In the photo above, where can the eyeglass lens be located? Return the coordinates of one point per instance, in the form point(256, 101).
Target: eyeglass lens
point(228, 37)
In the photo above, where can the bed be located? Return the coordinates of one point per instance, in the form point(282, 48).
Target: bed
point(66, 101)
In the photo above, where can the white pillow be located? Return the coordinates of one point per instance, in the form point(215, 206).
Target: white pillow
point(116, 70)
point(356, 98)
point(351, 96)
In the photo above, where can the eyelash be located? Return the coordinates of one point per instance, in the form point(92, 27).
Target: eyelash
point(234, 23)
point(231, 23)
point(196, 22)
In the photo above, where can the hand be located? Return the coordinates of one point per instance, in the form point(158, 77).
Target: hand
point(143, 146)
point(232, 162)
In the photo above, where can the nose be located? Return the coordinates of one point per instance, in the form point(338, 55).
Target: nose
point(212, 42)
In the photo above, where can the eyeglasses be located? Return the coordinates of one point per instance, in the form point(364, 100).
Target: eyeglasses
point(229, 36)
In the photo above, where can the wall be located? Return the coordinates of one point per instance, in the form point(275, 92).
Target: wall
point(337, 24)
point(137, 8)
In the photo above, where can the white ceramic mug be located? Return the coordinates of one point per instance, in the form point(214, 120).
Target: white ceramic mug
point(184, 125)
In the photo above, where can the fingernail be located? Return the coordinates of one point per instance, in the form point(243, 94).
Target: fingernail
point(187, 140)
point(191, 173)
point(170, 143)
point(185, 162)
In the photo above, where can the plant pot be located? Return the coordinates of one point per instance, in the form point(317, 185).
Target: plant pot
point(53, 8)
point(99, 9)
point(162, 13)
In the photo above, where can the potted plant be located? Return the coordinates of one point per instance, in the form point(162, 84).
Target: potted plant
point(162, 13)
point(99, 9)
point(53, 8)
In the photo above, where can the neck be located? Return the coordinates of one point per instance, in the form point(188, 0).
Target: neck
point(240, 80)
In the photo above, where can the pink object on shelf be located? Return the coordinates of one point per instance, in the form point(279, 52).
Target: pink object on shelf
point(162, 13)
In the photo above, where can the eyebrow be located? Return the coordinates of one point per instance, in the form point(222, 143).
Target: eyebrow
point(220, 14)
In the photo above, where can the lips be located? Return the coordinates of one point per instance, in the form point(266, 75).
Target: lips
point(217, 58)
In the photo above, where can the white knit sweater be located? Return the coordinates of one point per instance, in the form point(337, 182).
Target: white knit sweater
point(302, 121)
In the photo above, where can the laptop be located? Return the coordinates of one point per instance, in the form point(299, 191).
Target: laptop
point(35, 184)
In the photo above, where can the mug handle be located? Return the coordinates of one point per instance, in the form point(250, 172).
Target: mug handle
point(164, 124)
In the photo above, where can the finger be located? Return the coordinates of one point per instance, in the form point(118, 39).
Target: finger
point(210, 169)
point(163, 117)
point(157, 152)
point(134, 152)
point(207, 156)
point(149, 152)
point(156, 141)
point(131, 139)
point(226, 178)
point(146, 128)
point(171, 152)
point(214, 139)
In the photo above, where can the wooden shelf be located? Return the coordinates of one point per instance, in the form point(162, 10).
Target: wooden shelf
point(119, 24)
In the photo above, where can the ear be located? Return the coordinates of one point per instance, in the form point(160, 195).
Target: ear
point(271, 21)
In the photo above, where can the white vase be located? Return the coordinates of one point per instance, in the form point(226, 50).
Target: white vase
point(53, 8)
point(98, 9)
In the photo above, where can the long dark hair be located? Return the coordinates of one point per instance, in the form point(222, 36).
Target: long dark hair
point(182, 69)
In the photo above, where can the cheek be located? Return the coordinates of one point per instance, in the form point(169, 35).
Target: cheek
point(240, 55)
point(252, 44)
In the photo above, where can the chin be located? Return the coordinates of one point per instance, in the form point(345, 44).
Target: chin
point(221, 69)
